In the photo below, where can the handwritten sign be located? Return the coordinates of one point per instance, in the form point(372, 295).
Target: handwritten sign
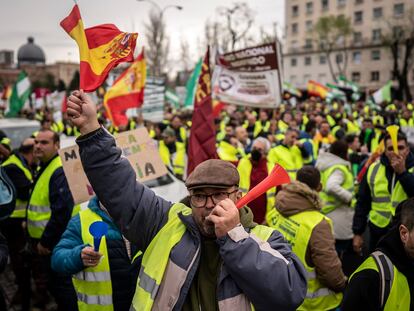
point(136, 146)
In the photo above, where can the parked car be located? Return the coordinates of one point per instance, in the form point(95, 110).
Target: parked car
point(18, 129)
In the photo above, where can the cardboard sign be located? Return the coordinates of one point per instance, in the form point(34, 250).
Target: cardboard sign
point(136, 146)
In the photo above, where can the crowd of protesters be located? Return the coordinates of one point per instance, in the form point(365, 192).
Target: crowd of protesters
point(351, 195)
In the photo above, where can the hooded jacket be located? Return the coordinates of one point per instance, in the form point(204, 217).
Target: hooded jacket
point(295, 198)
point(343, 215)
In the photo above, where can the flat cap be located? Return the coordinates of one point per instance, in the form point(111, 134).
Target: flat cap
point(213, 173)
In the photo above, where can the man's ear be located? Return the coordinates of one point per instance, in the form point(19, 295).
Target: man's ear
point(319, 188)
point(404, 234)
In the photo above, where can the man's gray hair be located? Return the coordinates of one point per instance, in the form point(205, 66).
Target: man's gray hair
point(264, 141)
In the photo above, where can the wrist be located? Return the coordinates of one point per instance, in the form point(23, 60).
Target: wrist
point(90, 127)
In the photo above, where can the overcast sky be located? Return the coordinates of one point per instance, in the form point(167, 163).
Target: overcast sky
point(40, 19)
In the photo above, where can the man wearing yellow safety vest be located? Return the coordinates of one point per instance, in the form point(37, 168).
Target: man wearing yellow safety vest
point(253, 170)
point(385, 280)
point(105, 279)
point(387, 182)
point(49, 210)
point(297, 216)
point(210, 256)
point(289, 153)
point(179, 129)
point(172, 152)
point(18, 168)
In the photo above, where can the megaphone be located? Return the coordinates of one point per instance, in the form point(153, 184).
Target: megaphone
point(98, 229)
point(393, 131)
point(277, 177)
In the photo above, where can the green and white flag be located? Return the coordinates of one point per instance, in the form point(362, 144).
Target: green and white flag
point(172, 98)
point(383, 94)
point(335, 93)
point(192, 85)
point(343, 82)
point(289, 88)
point(20, 94)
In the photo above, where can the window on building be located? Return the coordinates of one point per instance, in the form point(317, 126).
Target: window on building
point(293, 62)
point(293, 79)
point(325, 5)
point(376, 35)
point(308, 43)
point(398, 9)
point(397, 31)
point(295, 28)
point(306, 78)
point(375, 55)
point(341, 3)
point(309, 7)
point(375, 75)
point(322, 78)
point(359, 1)
point(339, 58)
point(377, 13)
point(358, 17)
point(295, 10)
point(293, 45)
point(356, 57)
point(309, 26)
point(308, 61)
point(357, 37)
point(322, 59)
point(356, 76)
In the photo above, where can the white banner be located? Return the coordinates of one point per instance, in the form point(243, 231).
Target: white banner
point(153, 107)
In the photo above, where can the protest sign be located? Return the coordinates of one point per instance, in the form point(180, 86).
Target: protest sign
point(153, 108)
point(249, 77)
point(136, 146)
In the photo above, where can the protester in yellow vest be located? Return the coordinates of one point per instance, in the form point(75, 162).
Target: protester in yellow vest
point(18, 168)
point(229, 150)
point(104, 279)
point(172, 152)
point(323, 138)
point(209, 256)
point(297, 216)
point(289, 154)
point(387, 182)
point(385, 280)
point(253, 169)
point(50, 209)
point(179, 129)
point(407, 119)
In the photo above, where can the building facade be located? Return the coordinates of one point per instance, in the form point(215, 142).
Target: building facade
point(369, 63)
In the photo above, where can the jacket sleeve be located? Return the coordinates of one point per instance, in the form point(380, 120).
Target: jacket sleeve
point(407, 181)
point(268, 272)
point(20, 181)
point(4, 252)
point(333, 186)
point(362, 208)
point(362, 292)
point(61, 206)
point(137, 211)
point(66, 257)
point(324, 257)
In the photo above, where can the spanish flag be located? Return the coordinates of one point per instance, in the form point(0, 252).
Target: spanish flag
point(126, 92)
point(101, 48)
point(317, 89)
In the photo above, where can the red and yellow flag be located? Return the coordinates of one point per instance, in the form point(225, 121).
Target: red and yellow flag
point(316, 89)
point(126, 92)
point(101, 48)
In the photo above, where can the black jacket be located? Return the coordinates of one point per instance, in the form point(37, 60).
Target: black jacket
point(363, 205)
point(19, 179)
point(363, 291)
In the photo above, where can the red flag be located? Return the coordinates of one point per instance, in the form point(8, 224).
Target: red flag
point(101, 48)
point(202, 142)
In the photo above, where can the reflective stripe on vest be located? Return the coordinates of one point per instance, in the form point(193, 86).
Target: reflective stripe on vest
point(245, 168)
point(20, 209)
point(156, 260)
point(399, 298)
point(297, 230)
point(289, 158)
point(227, 152)
point(93, 284)
point(383, 203)
point(329, 200)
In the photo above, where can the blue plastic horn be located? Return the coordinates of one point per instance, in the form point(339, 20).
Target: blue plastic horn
point(98, 229)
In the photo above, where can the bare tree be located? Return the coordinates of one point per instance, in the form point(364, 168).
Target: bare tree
point(185, 57)
point(399, 38)
point(158, 44)
point(332, 35)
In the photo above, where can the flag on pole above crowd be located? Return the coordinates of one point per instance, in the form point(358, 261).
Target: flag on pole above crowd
point(192, 84)
point(172, 97)
point(354, 88)
point(290, 89)
point(20, 94)
point(202, 141)
point(7, 91)
point(383, 94)
point(316, 89)
point(101, 48)
point(126, 92)
point(334, 93)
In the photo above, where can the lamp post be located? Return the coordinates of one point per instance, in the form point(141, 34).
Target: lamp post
point(158, 35)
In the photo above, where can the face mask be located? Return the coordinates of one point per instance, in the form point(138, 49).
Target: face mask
point(256, 155)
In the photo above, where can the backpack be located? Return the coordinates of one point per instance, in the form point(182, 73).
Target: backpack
point(7, 195)
point(386, 274)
